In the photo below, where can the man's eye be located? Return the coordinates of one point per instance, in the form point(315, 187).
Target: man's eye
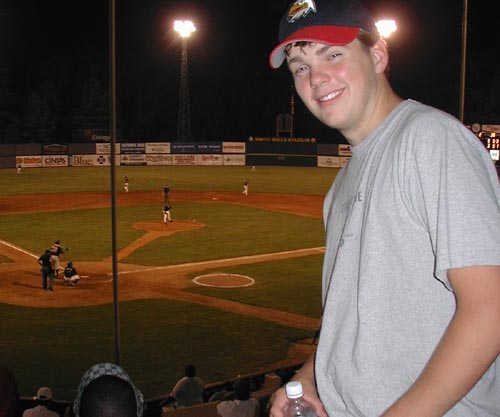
point(333, 56)
point(300, 70)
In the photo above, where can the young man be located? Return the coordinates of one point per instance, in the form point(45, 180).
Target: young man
point(411, 275)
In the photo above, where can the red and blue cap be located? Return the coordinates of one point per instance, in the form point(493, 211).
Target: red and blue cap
point(330, 22)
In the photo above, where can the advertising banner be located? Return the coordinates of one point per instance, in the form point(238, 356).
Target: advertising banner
point(183, 159)
point(32, 161)
point(234, 159)
point(131, 148)
point(345, 150)
point(55, 149)
point(233, 147)
point(212, 147)
point(91, 160)
point(183, 148)
point(344, 160)
point(160, 147)
point(284, 140)
point(105, 148)
point(329, 161)
point(133, 159)
point(209, 159)
point(55, 160)
point(164, 159)
point(82, 160)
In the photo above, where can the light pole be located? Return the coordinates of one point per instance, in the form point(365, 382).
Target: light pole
point(184, 28)
point(463, 61)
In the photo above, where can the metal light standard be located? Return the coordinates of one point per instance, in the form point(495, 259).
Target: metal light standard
point(463, 60)
point(184, 28)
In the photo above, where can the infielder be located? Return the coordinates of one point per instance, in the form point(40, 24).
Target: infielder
point(166, 204)
point(245, 187)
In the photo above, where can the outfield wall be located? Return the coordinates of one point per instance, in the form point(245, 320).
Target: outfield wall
point(259, 151)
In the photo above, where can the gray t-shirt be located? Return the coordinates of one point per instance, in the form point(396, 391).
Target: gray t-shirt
point(419, 196)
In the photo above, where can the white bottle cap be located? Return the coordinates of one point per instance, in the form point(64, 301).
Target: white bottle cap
point(294, 389)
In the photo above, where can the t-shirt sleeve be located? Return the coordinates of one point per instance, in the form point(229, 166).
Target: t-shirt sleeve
point(453, 191)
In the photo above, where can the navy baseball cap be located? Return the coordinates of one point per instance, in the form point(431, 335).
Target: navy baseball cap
point(330, 22)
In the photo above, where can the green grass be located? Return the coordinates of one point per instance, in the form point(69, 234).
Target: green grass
point(290, 180)
point(292, 285)
point(159, 337)
point(55, 346)
point(230, 231)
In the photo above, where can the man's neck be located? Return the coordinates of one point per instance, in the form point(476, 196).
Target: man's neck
point(383, 103)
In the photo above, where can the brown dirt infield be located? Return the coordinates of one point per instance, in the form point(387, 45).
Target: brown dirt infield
point(20, 281)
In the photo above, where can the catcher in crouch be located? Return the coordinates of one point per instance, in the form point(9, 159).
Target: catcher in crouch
point(71, 276)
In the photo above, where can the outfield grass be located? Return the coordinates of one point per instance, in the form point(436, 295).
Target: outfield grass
point(290, 180)
point(158, 337)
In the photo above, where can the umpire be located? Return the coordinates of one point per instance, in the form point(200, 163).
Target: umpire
point(47, 263)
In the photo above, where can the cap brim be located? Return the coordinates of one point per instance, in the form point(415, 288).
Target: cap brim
point(328, 35)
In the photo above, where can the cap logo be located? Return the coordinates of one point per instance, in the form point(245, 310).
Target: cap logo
point(299, 9)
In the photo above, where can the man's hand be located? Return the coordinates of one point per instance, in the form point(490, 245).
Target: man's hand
point(279, 399)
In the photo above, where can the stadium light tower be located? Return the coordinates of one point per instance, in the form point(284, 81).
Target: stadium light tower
point(386, 27)
point(184, 28)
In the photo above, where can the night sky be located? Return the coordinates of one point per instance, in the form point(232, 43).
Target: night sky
point(233, 92)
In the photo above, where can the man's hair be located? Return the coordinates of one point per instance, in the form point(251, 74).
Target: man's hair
point(242, 390)
point(108, 396)
point(190, 371)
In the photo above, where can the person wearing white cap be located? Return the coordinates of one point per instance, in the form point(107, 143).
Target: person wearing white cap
point(411, 271)
point(44, 400)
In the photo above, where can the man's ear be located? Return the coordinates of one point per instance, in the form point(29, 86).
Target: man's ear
point(380, 56)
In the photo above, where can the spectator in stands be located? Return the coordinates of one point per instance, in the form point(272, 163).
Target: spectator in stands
point(9, 398)
point(189, 389)
point(243, 405)
point(107, 390)
point(43, 404)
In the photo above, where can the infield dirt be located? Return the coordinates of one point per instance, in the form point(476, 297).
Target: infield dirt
point(20, 281)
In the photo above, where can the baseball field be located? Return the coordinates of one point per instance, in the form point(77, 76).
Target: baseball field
point(232, 285)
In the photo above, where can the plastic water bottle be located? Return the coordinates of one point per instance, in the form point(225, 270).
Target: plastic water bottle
point(297, 405)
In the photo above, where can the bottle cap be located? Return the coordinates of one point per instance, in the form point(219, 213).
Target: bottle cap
point(294, 389)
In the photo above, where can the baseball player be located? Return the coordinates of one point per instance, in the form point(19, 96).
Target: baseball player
point(166, 214)
point(166, 204)
point(71, 276)
point(56, 250)
point(245, 187)
point(125, 184)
